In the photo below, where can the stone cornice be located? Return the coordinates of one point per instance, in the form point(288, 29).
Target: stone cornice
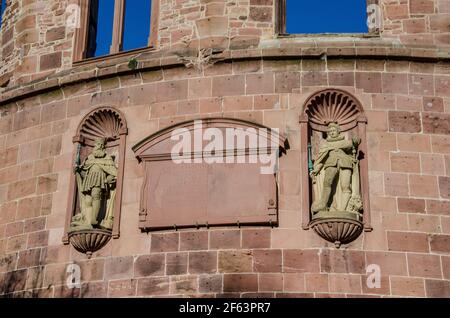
point(281, 48)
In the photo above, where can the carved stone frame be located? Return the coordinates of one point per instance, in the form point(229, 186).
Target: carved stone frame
point(80, 41)
point(280, 19)
point(118, 139)
point(359, 123)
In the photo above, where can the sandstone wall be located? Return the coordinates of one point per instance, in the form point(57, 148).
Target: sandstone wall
point(405, 92)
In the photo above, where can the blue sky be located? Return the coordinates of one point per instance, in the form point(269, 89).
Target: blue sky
point(303, 17)
point(326, 16)
point(3, 5)
point(136, 25)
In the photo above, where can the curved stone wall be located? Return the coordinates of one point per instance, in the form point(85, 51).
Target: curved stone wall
point(404, 90)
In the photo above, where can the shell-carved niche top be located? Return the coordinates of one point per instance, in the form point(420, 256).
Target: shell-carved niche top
point(333, 106)
point(103, 122)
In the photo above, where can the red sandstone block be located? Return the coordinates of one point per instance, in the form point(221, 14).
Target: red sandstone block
point(176, 263)
point(27, 118)
point(442, 85)
point(8, 212)
point(294, 282)
point(437, 288)
point(394, 83)
point(202, 262)
point(55, 254)
point(37, 239)
point(50, 61)
point(302, 261)
point(297, 295)
point(438, 207)
point(200, 87)
point(407, 242)
point(414, 142)
point(369, 82)
point(407, 286)
point(445, 266)
point(164, 242)
point(440, 243)
point(423, 186)
point(416, 25)
point(228, 85)
point(390, 263)
point(432, 164)
point(411, 205)
point(422, 265)
point(13, 281)
point(240, 283)
point(149, 265)
point(258, 238)
point(183, 285)
point(341, 78)
point(122, 288)
point(55, 274)
point(249, 66)
point(225, 239)
point(13, 229)
point(444, 187)
point(369, 288)
point(210, 283)
point(317, 283)
point(436, 123)
point(396, 184)
point(8, 262)
point(210, 105)
point(405, 162)
point(440, 144)
point(260, 83)
point(92, 270)
point(94, 290)
point(270, 282)
point(267, 261)
point(342, 261)
point(171, 90)
point(409, 103)
point(420, 84)
point(433, 104)
point(421, 6)
point(287, 81)
point(29, 258)
point(47, 184)
point(51, 147)
point(261, 14)
point(344, 283)
point(408, 122)
point(119, 267)
point(237, 103)
point(235, 261)
point(190, 241)
point(314, 79)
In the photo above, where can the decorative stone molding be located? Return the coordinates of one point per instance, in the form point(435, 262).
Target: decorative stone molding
point(198, 191)
point(335, 198)
point(93, 212)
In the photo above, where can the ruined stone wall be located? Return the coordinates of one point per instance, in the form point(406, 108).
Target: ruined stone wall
point(405, 93)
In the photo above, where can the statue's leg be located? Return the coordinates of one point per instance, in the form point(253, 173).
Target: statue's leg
point(96, 204)
point(87, 211)
point(345, 177)
point(330, 174)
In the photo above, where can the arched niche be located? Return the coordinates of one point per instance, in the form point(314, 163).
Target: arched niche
point(201, 188)
point(320, 109)
point(101, 123)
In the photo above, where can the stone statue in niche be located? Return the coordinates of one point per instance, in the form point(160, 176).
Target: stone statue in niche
point(96, 184)
point(335, 175)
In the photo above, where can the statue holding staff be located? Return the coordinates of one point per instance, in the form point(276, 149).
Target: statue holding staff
point(96, 180)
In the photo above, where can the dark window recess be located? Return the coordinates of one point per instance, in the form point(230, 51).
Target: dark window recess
point(136, 29)
point(100, 28)
point(2, 9)
point(325, 16)
point(206, 193)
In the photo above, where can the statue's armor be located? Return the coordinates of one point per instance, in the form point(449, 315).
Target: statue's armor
point(96, 172)
point(337, 157)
